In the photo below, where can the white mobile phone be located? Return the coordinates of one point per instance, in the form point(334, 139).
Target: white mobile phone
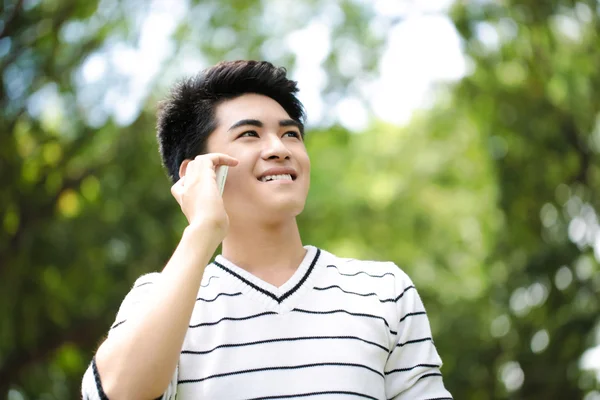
point(221, 176)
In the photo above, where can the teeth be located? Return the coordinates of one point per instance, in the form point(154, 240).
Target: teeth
point(285, 177)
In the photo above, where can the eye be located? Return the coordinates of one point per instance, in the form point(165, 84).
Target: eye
point(292, 134)
point(249, 134)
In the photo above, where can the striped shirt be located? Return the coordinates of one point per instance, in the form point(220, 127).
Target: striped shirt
point(338, 328)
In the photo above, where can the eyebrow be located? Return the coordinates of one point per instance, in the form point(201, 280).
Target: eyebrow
point(259, 124)
point(291, 122)
point(244, 122)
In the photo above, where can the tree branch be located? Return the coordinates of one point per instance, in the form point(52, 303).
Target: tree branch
point(9, 22)
point(82, 333)
point(570, 131)
point(36, 213)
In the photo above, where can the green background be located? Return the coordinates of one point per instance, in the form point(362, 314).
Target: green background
point(487, 199)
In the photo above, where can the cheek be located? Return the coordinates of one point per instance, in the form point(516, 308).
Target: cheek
point(237, 177)
point(305, 161)
point(300, 154)
point(242, 175)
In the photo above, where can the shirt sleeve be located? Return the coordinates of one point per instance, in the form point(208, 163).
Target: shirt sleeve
point(91, 385)
point(413, 367)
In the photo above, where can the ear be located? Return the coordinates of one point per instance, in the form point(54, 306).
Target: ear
point(183, 167)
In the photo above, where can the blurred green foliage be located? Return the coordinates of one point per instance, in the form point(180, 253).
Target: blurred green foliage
point(488, 199)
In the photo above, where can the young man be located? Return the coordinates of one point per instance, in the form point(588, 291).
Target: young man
point(270, 318)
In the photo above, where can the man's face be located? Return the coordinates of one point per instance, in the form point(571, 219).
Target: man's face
point(271, 181)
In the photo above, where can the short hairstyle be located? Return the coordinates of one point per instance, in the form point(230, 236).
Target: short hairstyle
point(187, 117)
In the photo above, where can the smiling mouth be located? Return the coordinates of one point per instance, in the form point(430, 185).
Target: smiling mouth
point(281, 177)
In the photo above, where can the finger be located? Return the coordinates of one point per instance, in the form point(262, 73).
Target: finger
point(206, 164)
point(219, 159)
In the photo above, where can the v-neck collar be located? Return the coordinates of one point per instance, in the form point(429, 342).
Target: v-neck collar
point(275, 298)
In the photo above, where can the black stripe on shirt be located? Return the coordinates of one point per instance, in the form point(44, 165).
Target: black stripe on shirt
point(430, 375)
point(304, 278)
point(198, 299)
point(345, 312)
point(247, 282)
point(217, 296)
point(143, 284)
point(427, 339)
point(232, 319)
point(280, 368)
point(99, 387)
point(209, 279)
point(355, 293)
point(360, 272)
point(412, 314)
point(291, 396)
point(402, 294)
point(277, 340)
point(117, 324)
point(413, 367)
point(266, 292)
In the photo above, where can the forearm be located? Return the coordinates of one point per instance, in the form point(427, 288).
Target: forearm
point(137, 361)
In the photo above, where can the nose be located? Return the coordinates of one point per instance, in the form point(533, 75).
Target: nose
point(275, 149)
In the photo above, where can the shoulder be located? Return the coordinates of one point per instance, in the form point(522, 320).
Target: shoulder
point(364, 268)
point(384, 276)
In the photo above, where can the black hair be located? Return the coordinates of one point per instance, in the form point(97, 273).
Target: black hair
point(186, 118)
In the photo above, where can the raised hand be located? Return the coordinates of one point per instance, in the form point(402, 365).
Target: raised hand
point(198, 194)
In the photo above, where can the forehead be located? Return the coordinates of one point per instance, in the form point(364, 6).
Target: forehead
point(249, 106)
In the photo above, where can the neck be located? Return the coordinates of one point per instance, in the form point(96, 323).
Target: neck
point(270, 252)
